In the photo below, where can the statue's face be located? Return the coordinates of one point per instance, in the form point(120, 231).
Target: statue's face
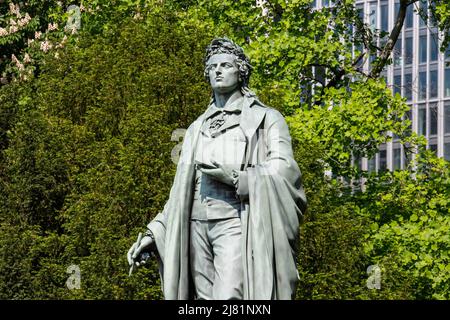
point(223, 73)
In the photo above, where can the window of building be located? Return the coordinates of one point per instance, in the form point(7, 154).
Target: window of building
point(433, 84)
point(398, 52)
point(373, 15)
point(407, 85)
point(371, 164)
point(424, 13)
point(447, 117)
point(422, 121)
point(397, 153)
point(447, 83)
point(384, 16)
point(409, 17)
point(423, 49)
point(358, 163)
point(408, 50)
point(422, 85)
point(383, 161)
point(434, 47)
point(447, 151)
point(433, 119)
point(360, 10)
point(397, 84)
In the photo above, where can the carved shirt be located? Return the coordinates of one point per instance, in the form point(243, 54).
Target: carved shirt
point(222, 140)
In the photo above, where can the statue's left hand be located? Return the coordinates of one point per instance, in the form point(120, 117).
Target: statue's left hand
point(220, 173)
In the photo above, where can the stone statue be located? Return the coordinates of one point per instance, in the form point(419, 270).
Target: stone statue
point(230, 227)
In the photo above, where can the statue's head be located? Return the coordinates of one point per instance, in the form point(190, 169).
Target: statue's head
point(226, 52)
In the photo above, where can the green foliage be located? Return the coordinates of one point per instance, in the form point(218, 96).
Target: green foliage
point(87, 162)
point(411, 224)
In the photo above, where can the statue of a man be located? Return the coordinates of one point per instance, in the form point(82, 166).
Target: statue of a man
point(230, 227)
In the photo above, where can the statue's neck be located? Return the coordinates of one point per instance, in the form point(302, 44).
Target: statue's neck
point(223, 99)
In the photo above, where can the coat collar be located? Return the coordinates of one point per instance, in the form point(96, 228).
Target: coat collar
point(235, 107)
point(253, 112)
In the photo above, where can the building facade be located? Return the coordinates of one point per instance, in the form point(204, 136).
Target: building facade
point(418, 72)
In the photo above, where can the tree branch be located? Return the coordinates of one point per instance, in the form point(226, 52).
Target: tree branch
point(393, 37)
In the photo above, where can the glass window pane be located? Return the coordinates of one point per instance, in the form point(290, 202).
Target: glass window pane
point(433, 120)
point(433, 47)
point(408, 50)
point(447, 151)
point(409, 17)
point(423, 49)
point(447, 83)
point(398, 52)
point(384, 17)
point(371, 164)
point(383, 163)
point(407, 85)
point(422, 85)
point(433, 84)
point(373, 15)
point(397, 84)
point(397, 156)
point(424, 13)
point(422, 125)
point(447, 118)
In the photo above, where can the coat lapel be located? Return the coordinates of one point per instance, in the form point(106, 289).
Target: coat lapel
point(253, 113)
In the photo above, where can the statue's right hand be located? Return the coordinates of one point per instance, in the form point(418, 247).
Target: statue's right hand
point(146, 243)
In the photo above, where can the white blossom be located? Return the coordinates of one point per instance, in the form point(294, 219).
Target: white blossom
point(27, 58)
point(13, 29)
point(14, 58)
point(52, 26)
point(14, 9)
point(45, 46)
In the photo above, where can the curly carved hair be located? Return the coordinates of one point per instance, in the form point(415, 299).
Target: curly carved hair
point(225, 45)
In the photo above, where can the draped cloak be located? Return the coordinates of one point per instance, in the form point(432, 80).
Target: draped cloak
point(270, 214)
